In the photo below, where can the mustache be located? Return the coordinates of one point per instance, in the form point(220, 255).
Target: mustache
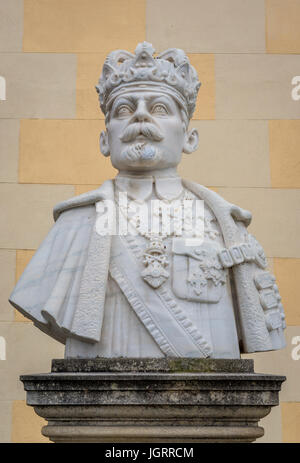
point(141, 128)
point(141, 151)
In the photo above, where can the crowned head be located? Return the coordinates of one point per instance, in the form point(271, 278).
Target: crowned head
point(147, 102)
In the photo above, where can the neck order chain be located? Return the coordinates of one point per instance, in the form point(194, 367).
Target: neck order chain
point(155, 257)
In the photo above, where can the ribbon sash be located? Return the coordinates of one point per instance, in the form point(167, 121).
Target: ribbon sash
point(168, 324)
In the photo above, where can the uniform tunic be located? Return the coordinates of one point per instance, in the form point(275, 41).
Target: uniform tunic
point(201, 288)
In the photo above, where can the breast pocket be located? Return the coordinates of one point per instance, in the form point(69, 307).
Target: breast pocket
point(197, 273)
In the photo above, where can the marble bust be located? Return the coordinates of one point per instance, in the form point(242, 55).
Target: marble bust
point(194, 283)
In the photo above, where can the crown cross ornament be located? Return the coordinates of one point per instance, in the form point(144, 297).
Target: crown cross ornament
point(144, 52)
point(170, 72)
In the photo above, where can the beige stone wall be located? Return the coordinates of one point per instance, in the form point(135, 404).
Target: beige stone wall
point(51, 53)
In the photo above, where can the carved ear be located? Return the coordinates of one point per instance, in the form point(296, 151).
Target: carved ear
point(191, 141)
point(104, 146)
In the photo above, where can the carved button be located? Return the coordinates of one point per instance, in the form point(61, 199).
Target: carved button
point(236, 255)
point(273, 321)
point(247, 251)
point(225, 258)
point(268, 299)
point(264, 280)
point(198, 251)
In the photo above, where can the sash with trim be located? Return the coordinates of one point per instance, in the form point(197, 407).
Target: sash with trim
point(175, 334)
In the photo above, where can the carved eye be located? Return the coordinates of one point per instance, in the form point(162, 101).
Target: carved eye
point(159, 109)
point(124, 110)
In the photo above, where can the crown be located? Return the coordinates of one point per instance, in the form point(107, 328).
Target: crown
point(170, 72)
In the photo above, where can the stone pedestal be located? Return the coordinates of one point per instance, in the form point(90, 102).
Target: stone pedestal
point(152, 400)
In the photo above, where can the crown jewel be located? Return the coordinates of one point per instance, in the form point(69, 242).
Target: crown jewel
point(171, 71)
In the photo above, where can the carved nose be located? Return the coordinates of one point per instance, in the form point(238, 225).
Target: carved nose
point(142, 114)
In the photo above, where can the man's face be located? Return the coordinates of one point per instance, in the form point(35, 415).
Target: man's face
point(145, 131)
